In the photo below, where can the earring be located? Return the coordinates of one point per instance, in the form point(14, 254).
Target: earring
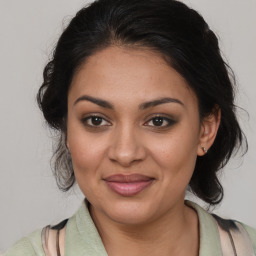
point(204, 149)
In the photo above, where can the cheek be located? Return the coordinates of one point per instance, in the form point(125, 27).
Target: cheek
point(87, 157)
point(176, 153)
point(87, 150)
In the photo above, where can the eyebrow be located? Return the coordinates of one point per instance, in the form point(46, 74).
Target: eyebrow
point(157, 102)
point(100, 102)
point(143, 106)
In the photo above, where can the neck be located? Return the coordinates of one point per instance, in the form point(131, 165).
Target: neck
point(175, 233)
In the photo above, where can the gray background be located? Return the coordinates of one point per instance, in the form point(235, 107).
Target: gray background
point(28, 194)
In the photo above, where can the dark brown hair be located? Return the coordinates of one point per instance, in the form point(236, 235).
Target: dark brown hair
point(179, 34)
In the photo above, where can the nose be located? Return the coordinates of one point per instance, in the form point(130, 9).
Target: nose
point(126, 147)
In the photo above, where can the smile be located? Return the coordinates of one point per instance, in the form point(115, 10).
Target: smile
point(128, 185)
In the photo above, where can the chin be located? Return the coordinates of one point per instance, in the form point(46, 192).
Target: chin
point(130, 212)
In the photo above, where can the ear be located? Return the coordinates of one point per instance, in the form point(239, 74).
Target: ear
point(208, 131)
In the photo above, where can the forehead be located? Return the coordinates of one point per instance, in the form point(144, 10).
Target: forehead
point(129, 75)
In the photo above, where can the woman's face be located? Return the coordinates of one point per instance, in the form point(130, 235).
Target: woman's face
point(134, 134)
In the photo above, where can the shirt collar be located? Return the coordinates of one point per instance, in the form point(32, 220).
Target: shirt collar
point(82, 237)
point(209, 235)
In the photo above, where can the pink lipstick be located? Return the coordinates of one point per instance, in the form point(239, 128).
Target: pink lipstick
point(128, 185)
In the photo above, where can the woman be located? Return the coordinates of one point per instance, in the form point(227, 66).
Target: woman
point(144, 106)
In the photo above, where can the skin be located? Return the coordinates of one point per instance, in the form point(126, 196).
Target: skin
point(155, 221)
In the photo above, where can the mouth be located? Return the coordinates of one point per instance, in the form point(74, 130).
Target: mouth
point(128, 185)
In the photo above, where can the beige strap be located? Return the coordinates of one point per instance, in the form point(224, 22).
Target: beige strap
point(44, 238)
point(235, 242)
point(53, 241)
point(58, 242)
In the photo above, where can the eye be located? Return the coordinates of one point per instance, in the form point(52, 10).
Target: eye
point(160, 121)
point(94, 121)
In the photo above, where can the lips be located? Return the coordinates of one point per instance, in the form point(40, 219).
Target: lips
point(128, 185)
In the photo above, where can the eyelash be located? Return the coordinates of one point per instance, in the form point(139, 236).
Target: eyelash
point(85, 120)
point(169, 121)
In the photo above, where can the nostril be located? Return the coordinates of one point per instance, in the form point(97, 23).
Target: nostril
point(126, 148)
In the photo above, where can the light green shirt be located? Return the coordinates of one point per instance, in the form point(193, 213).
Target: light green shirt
point(82, 237)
